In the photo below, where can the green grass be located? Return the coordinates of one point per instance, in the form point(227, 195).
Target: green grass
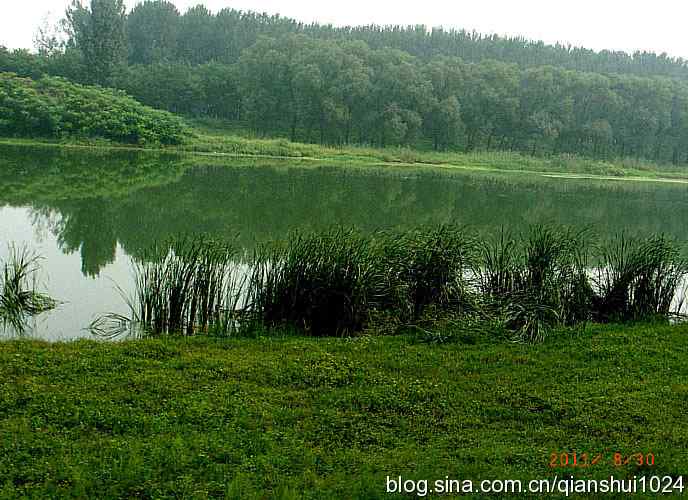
point(234, 143)
point(212, 136)
point(294, 417)
point(218, 141)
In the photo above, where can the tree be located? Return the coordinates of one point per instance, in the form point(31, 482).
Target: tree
point(196, 41)
point(48, 39)
point(446, 124)
point(99, 33)
point(152, 32)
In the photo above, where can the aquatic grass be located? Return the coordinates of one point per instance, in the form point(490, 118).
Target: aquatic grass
point(324, 283)
point(638, 278)
point(184, 287)
point(498, 270)
point(19, 298)
point(537, 280)
point(430, 267)
point(342, 282)
point(556, 263)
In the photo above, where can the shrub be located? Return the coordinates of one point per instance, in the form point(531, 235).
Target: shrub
point(52, 107)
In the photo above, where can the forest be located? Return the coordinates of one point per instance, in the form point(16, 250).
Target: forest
point(372, 85)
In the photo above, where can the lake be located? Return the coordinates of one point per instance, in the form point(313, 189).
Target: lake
point(89, 213)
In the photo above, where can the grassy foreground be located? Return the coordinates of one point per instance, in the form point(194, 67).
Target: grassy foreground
point(295, 417)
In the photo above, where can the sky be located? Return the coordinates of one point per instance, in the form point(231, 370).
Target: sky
point(628, 25)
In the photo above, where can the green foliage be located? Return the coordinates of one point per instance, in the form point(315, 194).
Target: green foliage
point(392, 86)
point(152, 29)
point(340, 282)
point(98, 33)
point(208, 90)
point(331, 418)
point(19, 298)
point(55, 108)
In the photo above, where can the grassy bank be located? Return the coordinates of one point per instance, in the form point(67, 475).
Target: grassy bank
point(213, 142)
point(331, 418)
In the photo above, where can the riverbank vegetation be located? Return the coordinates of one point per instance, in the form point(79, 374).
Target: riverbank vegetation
point(216, 138)
point(341, 282)
point(55, 108)
point(293, 417)
point(214, 145)
point(375, 86)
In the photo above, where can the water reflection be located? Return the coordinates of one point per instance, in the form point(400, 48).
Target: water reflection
point(89, 212)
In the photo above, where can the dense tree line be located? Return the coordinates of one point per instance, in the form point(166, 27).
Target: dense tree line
point(157, 31)
point(374, 85)
point(341, 92)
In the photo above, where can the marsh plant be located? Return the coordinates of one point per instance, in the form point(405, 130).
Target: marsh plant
point(639, 278)
point(434, 280)
point(430, 267)
point(325, 283)
point(183, 287)
point(20, 299)
point(536, 280)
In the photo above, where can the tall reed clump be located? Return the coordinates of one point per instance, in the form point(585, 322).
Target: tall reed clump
point(185, 287)
point(323, 283)
point(638, 278)
point(339, 282)
point(19, 298)
point(537, 280)
point(430, 269)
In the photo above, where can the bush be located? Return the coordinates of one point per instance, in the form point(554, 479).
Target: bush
point(52, 107)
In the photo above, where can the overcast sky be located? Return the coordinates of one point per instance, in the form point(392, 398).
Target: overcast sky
point(629, 25)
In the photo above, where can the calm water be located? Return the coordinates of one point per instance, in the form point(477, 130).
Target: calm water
point(88, 214)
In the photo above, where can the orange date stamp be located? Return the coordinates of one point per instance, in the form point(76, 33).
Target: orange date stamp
point(582, 460)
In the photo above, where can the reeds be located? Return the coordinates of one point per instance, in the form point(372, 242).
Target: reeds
point(184, 287)
point(639, 278)
point(430, 267)
point(323, 283)
point(19, 298)
point(340, 282)
point(537, 280)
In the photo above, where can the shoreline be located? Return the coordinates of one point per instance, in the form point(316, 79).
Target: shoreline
point(495, 162)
